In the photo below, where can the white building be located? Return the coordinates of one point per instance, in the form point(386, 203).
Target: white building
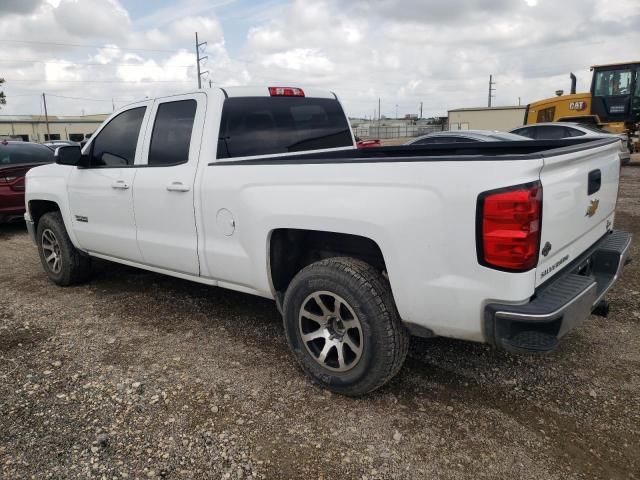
point(487, 118)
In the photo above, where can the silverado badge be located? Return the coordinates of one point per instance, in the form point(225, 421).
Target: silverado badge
point(593, 208)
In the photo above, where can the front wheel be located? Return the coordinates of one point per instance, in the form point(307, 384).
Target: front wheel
point(63, 263)
point(343, 327)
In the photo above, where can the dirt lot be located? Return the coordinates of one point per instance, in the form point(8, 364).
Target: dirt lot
point(139, 375)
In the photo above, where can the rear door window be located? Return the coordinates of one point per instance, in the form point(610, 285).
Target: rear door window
point(274, 125)
point(115, 145)
point(172, 133)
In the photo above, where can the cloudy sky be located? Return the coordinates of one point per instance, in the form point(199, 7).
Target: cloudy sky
point(84, 53)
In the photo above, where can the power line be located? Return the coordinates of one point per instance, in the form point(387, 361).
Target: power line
point(32, 80)
point(92, 99)
point(79, 45)
point(65, 62)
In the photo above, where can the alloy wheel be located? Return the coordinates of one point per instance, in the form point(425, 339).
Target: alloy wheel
point(51, 251)
point(331, 331)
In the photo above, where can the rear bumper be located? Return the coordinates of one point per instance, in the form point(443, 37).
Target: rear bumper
point(561, 304)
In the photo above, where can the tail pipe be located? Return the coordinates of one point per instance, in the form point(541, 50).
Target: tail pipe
point(573, 83)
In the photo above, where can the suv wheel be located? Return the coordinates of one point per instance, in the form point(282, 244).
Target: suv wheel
point(343, 326)
point(63, 263)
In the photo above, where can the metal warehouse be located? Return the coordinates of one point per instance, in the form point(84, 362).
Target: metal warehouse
point(34, 127)
point(487, 118)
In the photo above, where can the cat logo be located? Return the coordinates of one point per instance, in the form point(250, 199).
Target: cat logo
point(579, 106)
point(593, 208)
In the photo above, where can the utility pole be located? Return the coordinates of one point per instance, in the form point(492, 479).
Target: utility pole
point(491, 89)
point(396, 111)
point(519, 101)
point(46, 115)
point(379, 116)
point(420, 110)
point(199, 59)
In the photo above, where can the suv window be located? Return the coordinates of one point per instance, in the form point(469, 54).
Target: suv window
point(549, 132)
point(20, 153)
point(525, 132)
point(273, 125)
point(115, 145)
point(573, 132)
point(172, 133)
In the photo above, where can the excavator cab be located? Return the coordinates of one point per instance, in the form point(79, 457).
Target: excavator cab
point(615, 93)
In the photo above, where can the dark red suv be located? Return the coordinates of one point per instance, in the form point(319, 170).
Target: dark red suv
point(16, 159)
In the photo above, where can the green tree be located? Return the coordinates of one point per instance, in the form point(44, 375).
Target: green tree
point(3, 99)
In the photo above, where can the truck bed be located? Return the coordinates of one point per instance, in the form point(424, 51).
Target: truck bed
point(501, 150)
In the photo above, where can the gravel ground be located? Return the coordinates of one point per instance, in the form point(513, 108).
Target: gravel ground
point(137, 375)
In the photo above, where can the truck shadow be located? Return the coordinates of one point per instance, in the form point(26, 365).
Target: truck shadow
point(170, 305)
point(11, 229)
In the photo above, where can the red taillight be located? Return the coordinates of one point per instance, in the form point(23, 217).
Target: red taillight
point(285, 92)
point(508, 227)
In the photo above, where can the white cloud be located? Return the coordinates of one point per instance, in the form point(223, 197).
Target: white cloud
point(403, 51)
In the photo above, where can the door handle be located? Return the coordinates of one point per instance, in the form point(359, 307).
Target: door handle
point(120, 184)
point(178, 187)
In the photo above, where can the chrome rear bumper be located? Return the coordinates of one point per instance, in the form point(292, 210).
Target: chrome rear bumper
point(561, 304)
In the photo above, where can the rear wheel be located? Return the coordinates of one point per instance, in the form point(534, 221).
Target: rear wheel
point(343, 326)
point(63, 263)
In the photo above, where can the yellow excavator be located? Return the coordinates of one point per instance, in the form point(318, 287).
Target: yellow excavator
point(613, 103)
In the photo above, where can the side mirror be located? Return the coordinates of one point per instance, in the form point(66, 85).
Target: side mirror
point(69, 155)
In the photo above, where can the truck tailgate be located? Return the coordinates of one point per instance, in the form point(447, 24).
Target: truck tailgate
point(580, 190)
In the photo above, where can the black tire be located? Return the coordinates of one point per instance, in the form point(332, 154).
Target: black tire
point(384, 339)
point(74, 266)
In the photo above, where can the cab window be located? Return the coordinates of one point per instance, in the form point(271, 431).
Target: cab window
point(613, 82)
point(274, 125)
point(546, 115)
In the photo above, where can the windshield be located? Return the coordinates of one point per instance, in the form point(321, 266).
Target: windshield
point(613, 82)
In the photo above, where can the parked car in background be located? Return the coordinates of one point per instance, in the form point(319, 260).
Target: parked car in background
point(59, 143)
point(561, 130)
point(369, 143)
point(16, 159)
point(464, 136)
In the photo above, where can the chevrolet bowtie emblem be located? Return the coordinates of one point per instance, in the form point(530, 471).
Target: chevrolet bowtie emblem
point(593, 208)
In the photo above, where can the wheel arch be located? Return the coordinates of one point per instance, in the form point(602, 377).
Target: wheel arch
point(289, 250)
point(37, 208)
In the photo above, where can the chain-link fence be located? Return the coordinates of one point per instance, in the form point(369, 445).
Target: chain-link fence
point(395, 131)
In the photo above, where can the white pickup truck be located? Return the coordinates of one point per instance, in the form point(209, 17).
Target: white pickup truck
point(262, 190)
